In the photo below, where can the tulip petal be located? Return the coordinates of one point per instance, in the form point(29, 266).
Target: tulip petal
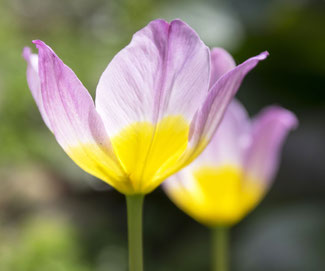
point(221, 63)
point(212, 195)
point(164, 71)
point(230, 140)
point(211, 113)
point(73, 118)
point(33, 81)
point(269, 131)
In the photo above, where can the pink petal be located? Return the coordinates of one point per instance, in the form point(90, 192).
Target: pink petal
point(221, 63)
point(230, 140)
point(211, 113)
point(163, 71)
point(71, 111)
point(269, 131)
point(33, 81)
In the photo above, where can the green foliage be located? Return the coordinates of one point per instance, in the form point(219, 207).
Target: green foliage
point(42, 244)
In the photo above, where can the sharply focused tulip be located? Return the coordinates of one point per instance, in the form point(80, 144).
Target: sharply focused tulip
point(158, 103)
point(233, 173)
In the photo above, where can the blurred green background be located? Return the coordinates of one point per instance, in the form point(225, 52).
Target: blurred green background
point(53, 216)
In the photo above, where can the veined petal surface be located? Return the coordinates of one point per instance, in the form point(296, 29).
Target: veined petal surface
point(164, 71)
point(74, 120)
point(33, 81)
point(155, 110)
point(148, 95)
point(210, 114)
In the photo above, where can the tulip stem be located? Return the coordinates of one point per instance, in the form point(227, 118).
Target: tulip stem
point(220, 248)
point(134, 204)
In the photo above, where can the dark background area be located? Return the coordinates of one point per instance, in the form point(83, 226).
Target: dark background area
point(53, 216)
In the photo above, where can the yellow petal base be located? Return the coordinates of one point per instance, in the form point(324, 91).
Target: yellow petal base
point(145, 152)
point(219, 196)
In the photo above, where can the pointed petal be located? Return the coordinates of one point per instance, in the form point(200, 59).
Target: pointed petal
point(164, 71)
point(269, 131)
point(221, 63)
point(211, 113)
point(33, 81)
point(73, 118)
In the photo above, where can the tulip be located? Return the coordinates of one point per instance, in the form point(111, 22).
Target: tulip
point(233, 173)
point(156, 109)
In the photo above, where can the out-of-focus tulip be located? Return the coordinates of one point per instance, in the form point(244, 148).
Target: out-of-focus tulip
point(233, 173)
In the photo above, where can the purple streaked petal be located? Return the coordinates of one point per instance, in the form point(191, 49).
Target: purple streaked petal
point(33, 81)
point(230, 140)
point(70, 109)
point(269, 131)
point(221, 63)
point(165, 70)
point(209, 116)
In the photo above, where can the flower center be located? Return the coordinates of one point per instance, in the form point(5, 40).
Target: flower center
point(146, 151)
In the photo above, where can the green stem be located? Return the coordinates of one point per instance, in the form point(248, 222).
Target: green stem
point(220, 249)
point(134, 205)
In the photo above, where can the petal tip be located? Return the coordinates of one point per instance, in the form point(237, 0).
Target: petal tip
point(287, 117)
point(159, 21)
point(177, 21)
point(264, 55)
point(218, 50)
point(39, 44)
point(26, 53)
point(291, 120)
point(180, 23)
